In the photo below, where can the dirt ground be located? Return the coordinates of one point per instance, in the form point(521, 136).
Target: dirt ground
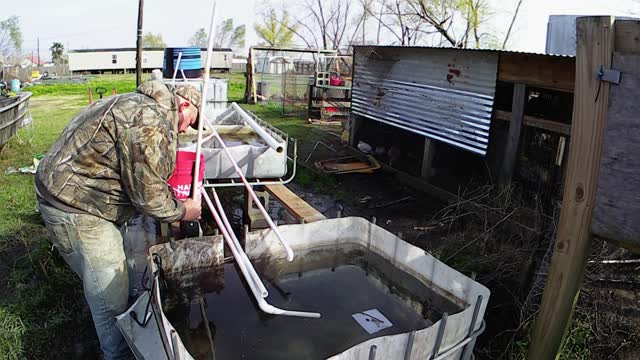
point(504, 242)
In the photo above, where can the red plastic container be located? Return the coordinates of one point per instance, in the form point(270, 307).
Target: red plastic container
point(182, 177)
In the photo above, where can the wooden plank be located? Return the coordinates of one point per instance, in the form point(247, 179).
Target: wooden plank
point(513, 139)
point(254, 89)
point(550, 72)
point(627, 36)
point(573, 241)
point(427, 158)
point(616, 215)
point(550, 125)
point(355, 121)
point(299, 208)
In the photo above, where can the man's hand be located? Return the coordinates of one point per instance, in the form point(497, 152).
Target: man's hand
point(193, 209)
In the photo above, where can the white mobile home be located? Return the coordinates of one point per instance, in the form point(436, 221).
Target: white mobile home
point(123, 60)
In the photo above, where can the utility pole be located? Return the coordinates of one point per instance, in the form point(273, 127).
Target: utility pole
point(38, 53)
point(139, 45)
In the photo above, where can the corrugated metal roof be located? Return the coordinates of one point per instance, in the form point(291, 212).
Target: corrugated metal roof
point(461, 50)
point(447, 98)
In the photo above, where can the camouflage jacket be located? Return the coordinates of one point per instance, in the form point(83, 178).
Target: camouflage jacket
point(115, 156)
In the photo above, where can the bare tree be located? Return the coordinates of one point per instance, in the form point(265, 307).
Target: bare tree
point(228, 35)
point(513, 20)
point(397, 18)
point(441, 15)
point(199, 39)
point(440, 22)
point(10, 37)
point(324, 24)
point(475, 12)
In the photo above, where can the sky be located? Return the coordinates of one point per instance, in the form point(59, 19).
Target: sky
point(81, 24)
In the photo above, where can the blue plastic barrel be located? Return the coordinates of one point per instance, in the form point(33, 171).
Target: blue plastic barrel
point(190, 62)
point(15, 85)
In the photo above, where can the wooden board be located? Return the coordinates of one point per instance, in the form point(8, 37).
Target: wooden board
point(628, 36)
point(427, 158)
point(551, 72)
point(616, 215)
point(299, 209)
point(513, 139)
point(550, 125)
point(595, 39)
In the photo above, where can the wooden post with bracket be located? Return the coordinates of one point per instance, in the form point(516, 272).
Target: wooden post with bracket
point(595, 44)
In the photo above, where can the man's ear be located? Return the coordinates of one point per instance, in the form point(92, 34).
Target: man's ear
point(184, 105)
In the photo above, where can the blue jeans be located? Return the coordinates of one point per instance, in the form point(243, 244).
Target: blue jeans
point(93, 248)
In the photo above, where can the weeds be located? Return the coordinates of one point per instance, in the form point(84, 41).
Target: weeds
point(11, 331)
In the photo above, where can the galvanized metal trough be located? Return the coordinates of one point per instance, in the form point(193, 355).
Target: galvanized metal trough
point(152, 336)
point(13, 115)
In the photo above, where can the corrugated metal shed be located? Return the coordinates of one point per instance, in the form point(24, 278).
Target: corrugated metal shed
point(561, 34)
point(444, 94)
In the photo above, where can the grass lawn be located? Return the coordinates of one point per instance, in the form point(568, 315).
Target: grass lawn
point(39, 296)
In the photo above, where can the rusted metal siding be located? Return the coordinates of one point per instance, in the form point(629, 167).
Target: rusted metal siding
point(444, 94)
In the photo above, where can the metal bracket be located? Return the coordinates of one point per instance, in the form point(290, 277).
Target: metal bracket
point(609, 75)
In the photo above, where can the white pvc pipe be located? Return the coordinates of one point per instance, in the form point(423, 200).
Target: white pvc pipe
point(234, 250)
point(203, 103)
point(175, 71)
point(236, 243)
point(258, 129)
point(264, 306)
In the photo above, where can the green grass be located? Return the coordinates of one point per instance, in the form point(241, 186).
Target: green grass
point(39, 295)
point(122, 84)
point(12, 330)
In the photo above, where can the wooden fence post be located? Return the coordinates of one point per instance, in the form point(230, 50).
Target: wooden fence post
point(595, 43)
point(513, 140)
point(426, 171)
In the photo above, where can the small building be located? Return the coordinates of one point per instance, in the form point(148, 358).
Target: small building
point(239, 64)
point(123, 60)
point(31, 61)
point(445, 114)
point(273, 65)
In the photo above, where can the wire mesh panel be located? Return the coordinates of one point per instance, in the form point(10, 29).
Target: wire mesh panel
point(282, 79)
point(295, 85)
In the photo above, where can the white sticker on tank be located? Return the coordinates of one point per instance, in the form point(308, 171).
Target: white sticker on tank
point(372, 321)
